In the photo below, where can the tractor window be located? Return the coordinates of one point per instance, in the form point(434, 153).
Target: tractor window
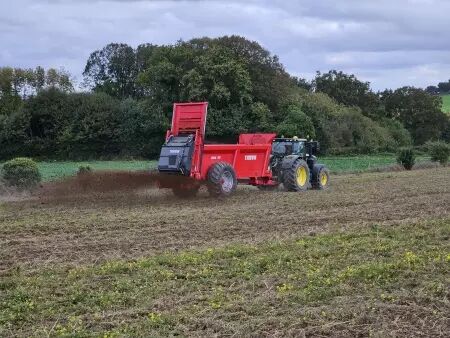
point(288, 148)
point(298, 148)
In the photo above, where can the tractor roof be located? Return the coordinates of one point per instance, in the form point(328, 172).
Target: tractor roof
point(289, 139)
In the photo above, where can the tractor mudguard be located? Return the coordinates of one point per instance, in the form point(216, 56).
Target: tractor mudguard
point(288, 161)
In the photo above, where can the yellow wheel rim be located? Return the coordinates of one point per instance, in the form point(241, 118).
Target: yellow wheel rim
point(301, 176)
point(323, 179)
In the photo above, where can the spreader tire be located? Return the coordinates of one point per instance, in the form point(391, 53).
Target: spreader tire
point(222, 179)
point(320, 177)
point(296, 178)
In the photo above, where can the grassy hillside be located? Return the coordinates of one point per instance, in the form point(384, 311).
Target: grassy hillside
point(446, 103)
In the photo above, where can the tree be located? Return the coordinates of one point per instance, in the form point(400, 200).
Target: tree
point(218, 78)
point(258, 118)
point(270, 82)
point(142, 127)
point(112, 70)
point(302, 83)
point(296, 123)
point(444, 87)
point(418, 111)
point(92, 128)
point(432, 90)
point(349, 91)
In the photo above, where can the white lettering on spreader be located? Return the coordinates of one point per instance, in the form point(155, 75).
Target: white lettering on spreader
point(250, 157)
point(174, 151)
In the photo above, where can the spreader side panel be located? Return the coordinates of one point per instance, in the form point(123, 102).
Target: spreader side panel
point(248, 161)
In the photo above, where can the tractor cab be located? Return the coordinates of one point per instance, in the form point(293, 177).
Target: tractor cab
point(282, 147)
point(288, 146)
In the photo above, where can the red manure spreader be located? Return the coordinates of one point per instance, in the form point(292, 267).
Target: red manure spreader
point(261, 160)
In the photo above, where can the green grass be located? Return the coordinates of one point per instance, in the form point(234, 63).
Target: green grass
point(53, 170)
point(446, 103)
point(361, 163)
point(56, 170)
point(366, 282)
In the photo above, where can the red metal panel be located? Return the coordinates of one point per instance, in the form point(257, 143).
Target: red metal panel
point(189, 118)
point(264, 138)
point(247, 160)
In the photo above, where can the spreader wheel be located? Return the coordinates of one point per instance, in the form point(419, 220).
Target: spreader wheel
point(221, 179)
point(296, 178)
point(320, 177)
point(185, 192)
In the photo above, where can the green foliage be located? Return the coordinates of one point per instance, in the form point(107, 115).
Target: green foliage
point(446, 104)
point(22, 83)
point(418, 111)
point(350, 131)
point(348, 90)
point(142, 128)
point(84, 169)
point(93, 127)
point(406, 157)
point(22, 173)
point(112, 70)
point(259, 118)
point(133, 90)
point(444, 87)
point(296, 123)
point(55, 170)
point(400, 135)
point(439, 151)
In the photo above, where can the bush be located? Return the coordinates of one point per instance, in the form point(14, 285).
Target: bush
point(349, 129)
point(22, 173)
point(406, 158)
point(296, 123)
point(84, 169)
point(439, 151)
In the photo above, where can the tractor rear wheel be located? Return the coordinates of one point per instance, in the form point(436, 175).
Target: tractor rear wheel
point(320, 177)
point(296, 178)
point(185, 192)
point(222, 179)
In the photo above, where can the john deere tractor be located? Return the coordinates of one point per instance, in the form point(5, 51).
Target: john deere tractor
point(293, 163)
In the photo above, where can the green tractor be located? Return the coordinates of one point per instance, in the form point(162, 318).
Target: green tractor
point(294, 164)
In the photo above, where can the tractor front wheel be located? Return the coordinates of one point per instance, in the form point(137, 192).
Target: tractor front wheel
point(296, 178)
point(222, 179)
point(320, 177)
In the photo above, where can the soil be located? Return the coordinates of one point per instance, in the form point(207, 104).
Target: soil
point(122, 215)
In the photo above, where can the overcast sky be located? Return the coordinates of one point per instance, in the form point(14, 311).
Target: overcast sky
point(390, 43)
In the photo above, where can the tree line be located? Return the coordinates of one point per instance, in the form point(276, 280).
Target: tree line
point(127, 103)
point(440, 89)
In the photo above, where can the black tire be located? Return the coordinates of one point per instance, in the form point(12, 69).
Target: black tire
point(296, 178)
point(320, 177)
point(222, 179)
point(185, 192)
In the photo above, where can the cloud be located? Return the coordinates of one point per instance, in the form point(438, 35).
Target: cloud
point(390, 43)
